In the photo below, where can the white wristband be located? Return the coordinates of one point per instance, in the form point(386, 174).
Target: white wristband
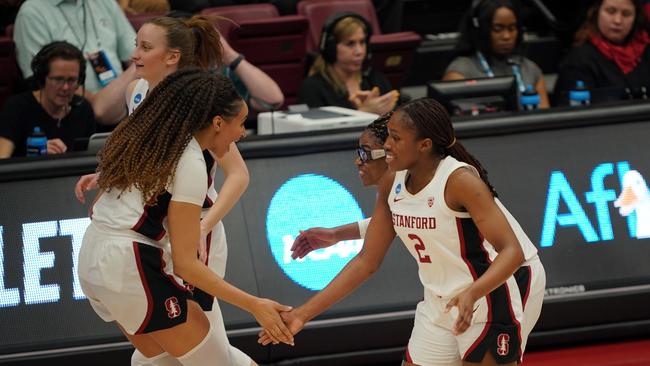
point(363, 226)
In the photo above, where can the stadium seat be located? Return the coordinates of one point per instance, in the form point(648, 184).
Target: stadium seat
point(274, 43)
point(137, 20)
point(392, 53)
point(9, 74)
point(235, 14)
point(9, 31)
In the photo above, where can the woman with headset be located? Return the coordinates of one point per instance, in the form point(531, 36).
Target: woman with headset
point(490, 45)
point(58, 70)
point(338, 78)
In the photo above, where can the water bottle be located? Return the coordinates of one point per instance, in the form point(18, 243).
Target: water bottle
point(37, 143)
point(580, 96)
point(529, 99)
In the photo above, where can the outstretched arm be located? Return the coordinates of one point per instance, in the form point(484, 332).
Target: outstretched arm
point(183, 223)
point(259, 84)
point(466, 191)
point(377, 241)
point(109, 103)
point(321, 237)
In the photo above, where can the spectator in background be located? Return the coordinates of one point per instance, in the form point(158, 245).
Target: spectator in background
point(98, 28)
point(256, 87)
point(610, 51)
point(143, 6)
point(490, 44)
point(57, 69)
point(337, 77)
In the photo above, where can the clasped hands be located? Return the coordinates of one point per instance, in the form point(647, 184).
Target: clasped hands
point(292, 320)
point(371, 101)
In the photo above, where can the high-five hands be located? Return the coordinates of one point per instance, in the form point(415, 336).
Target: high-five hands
point(267, 313)
point(371, 101)
point(312, 239)
point(292, 320)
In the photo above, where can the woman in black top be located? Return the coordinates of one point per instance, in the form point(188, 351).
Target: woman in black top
point(611, 50)
point(337, 77)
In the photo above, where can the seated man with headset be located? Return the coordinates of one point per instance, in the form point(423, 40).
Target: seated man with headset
point(59, 68)
point(338, 76)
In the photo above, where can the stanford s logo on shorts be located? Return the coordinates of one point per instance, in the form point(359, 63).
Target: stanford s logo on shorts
point(502, 344)
point(173, 310)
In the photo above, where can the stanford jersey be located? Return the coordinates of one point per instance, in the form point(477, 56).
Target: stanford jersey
point(125, 266)
point(446, 244)
point(451, 254)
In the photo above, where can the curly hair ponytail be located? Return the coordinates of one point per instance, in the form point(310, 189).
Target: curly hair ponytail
point(144, 149)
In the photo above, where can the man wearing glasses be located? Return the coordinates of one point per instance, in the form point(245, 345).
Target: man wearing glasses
point(58, 70)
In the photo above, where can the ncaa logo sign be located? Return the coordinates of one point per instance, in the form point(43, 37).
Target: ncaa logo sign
point(303, 202)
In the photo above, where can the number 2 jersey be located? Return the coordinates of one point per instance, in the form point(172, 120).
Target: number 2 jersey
point(450, 251)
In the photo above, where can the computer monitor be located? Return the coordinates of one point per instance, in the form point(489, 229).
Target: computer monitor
point(475, 96)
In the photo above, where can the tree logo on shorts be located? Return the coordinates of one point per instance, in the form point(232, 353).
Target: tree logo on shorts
point(303, 202)
point(503, 345)
point(173, 309)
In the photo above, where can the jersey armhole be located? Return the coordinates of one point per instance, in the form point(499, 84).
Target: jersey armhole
point(449, 210)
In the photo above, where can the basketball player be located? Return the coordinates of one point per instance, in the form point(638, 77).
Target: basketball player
point(483, 281)
point(163, 45)
point(145, 223)
point(372, 167)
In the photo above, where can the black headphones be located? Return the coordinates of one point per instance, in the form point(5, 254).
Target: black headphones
point(327, 44)
point(476, 24)
point(473, 13)
point(58, 49)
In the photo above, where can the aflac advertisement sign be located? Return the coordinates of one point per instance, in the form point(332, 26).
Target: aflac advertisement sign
point(632, 203)
point(306, 201)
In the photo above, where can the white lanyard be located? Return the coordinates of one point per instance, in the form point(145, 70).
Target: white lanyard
point(85, 35)
point(488, 71)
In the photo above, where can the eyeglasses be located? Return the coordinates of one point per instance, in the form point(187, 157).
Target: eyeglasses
point(369, 155)
point(60, 80)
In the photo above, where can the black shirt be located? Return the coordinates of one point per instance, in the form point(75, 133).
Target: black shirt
point(588, 64)
point(22, 112)
point(315, 91)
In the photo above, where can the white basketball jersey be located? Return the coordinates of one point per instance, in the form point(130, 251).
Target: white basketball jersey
point(125, 214)
point(450, 251)
point(140, 92)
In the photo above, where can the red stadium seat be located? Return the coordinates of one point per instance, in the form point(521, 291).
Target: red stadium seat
point(276, 44)
point(237, 13)
point(137, 20)
point(9, 31)
point(392, 53)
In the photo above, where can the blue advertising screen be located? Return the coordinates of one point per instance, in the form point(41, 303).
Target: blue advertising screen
point(581, 195)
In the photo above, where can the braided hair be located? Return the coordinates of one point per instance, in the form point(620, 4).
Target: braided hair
point(145, 148)
point(379, 128)
point(430, 120)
